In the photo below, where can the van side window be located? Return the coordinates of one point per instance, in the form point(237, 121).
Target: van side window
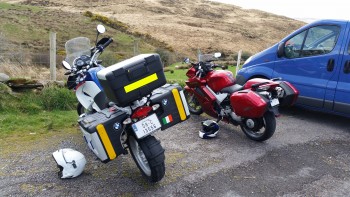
point(292, 48)
point(314, 41)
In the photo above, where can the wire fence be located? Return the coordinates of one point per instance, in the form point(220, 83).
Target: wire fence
point(16, 54)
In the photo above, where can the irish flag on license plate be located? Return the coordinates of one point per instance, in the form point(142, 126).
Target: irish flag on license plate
point(167, 119)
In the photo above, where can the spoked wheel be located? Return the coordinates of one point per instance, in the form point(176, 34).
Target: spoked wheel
point(260, 129)
point(149, 156)
point(193, 104)
point(82, 110)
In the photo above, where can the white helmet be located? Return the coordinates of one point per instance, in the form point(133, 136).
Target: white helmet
point(70, 162)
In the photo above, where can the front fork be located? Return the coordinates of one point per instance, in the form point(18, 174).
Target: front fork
point(274, 110)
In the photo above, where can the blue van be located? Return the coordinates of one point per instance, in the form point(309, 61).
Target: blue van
point(315, 59)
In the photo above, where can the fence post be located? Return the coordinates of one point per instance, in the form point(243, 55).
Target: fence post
point(53, 56)
point(238, 61)
point(136, 47)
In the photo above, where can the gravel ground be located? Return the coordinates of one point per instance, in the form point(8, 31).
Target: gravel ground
point(307, 156)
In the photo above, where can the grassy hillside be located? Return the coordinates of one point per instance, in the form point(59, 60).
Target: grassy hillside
point(185, 25)
point(25, 27)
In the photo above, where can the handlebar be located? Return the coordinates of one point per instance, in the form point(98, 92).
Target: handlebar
point(102, 47)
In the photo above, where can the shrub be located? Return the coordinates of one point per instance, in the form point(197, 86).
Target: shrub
point(245, 55)
point(55, 98)
point(166, 56)
point(168, 70)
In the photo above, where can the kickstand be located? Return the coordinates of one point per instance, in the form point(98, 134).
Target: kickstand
point(219, 118)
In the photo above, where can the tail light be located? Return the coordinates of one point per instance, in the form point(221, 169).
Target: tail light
point(141, 112)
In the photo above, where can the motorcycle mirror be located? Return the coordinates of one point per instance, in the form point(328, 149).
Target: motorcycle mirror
point(101, 29)
point(217, 55)
point(66, 65)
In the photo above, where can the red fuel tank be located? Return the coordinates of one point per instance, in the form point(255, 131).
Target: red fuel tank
point(219, 79)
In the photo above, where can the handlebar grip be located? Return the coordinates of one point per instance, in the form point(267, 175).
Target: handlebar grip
point(109, 41)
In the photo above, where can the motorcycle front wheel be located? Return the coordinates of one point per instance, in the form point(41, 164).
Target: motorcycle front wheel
point(193, 105)
point(259, 129)
point(82, 110)
point(149, 157)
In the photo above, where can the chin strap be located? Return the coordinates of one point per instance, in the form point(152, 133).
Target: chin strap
point(72, 162)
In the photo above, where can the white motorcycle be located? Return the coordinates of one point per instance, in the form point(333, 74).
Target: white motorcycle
point(121, 106)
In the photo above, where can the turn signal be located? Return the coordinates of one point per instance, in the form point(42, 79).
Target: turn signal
point(127, 121)
point(155, 107)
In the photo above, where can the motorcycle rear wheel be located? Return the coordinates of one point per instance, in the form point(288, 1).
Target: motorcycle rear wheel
point(149, 157)
point(193, 104)
point(260, 129)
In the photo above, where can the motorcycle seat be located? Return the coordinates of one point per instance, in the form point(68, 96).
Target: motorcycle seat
point(232, 89)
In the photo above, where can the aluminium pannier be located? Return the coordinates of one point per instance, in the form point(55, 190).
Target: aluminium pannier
point(173, 105)
point(102, 132)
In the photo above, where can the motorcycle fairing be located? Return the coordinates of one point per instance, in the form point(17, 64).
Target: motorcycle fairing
point(92, 76)
point(86, 94)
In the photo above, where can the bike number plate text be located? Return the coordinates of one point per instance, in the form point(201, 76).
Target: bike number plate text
point(274, 102)
point(146, 126)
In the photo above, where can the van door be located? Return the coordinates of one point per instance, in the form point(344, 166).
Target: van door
point(310, 62)
point(342, 94)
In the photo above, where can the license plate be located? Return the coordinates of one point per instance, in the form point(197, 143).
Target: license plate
point(274, 102)
point(146, 126)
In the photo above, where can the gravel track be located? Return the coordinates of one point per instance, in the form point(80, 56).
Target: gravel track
point(307, 156)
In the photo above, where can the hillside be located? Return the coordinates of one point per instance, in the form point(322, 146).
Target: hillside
point(185, 25)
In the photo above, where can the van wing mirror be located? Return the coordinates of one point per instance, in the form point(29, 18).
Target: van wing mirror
point(280, 50)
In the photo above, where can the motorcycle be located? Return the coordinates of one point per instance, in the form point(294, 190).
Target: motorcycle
point(110, 130)
point(83, 72)
point(252, 106)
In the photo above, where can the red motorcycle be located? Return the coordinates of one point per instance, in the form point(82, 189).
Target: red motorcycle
point(253, 106)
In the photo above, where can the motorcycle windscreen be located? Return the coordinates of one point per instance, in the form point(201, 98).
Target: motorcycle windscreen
point(248, 104)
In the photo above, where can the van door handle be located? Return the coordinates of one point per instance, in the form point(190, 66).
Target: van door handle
point(330, 65)
point(347, 67)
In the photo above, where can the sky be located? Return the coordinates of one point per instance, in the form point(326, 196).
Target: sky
point(304, 10)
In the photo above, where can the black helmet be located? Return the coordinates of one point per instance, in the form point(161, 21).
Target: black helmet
point(209, 129)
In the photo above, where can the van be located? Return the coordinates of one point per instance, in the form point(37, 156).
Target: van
point(315, 59)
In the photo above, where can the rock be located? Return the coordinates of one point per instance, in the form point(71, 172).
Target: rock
point(4, 88)
point(24, 84)
point(4, 77)
point(47, 83)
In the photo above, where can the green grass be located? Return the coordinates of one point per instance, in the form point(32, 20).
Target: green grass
point(15, 123)
point(26, 113)
point(7, 6)
point(179, 75)
point(49, 99)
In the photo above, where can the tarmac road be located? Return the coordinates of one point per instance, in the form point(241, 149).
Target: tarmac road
point(309, 155)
